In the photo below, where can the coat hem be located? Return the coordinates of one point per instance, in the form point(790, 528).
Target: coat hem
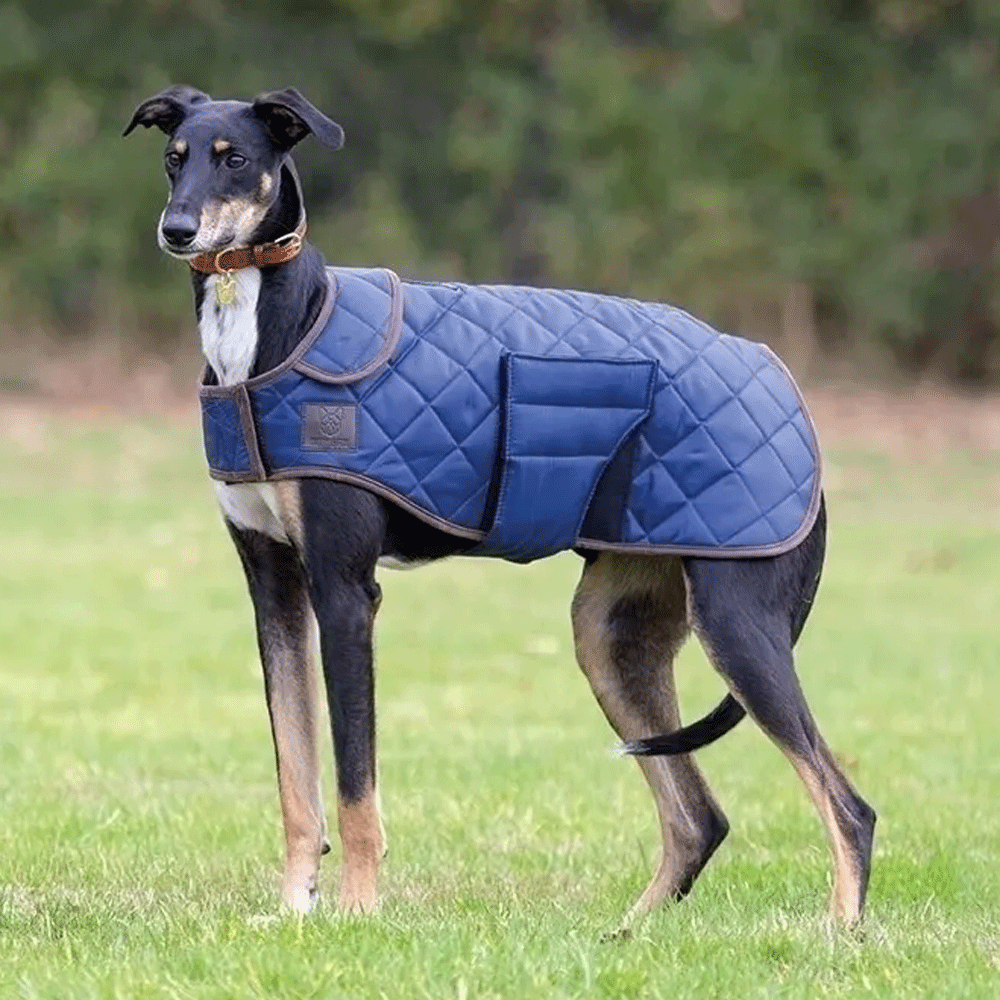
point(582, 544)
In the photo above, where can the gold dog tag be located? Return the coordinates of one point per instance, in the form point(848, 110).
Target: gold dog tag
point(225, 289)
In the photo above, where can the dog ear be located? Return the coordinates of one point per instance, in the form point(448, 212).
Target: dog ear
point(289, 118)
point(167, 109)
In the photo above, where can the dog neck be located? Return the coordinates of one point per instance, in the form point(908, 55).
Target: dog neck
point(271, 308)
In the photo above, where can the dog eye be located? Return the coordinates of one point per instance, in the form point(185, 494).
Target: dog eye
point(235, 160)
point(172, 160)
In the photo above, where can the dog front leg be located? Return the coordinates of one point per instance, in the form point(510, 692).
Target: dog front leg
point(284, 635)
point(346, 610)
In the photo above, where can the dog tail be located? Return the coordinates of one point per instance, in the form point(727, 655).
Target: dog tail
point(699, 734)
point(805, 564)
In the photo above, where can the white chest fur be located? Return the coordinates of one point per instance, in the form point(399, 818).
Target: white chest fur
point(229, 332)
point(252, 506)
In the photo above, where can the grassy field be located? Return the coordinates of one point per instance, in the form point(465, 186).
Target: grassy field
point(139, 833)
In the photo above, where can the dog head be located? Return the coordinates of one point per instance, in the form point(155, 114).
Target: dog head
point(226, 162)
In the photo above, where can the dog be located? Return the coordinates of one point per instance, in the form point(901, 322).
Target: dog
point(310, 544)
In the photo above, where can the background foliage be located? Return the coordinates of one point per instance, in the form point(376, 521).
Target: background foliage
point(821, 174)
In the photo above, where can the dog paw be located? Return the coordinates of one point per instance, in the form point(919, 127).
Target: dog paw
point(359, 906)
point(299, 899)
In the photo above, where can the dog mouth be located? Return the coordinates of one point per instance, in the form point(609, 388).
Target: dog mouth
point(184, 249)
point(177, 252)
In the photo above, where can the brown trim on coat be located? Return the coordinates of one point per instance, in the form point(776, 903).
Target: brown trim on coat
point(747, 552)
point(362, 482)
point(289, 363)
point(474, 535)
point(393, 331)
point(233, 477)
point(249, 429)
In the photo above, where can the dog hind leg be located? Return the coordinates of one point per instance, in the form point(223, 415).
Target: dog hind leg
point(747, 614)
point(629, 620)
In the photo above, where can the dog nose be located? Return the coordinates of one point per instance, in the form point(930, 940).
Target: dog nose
point(179, 230)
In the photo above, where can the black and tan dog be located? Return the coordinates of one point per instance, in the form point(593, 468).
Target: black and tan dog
point(310, 549)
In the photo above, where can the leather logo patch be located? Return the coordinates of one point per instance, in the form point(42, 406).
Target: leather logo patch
point(329, 428)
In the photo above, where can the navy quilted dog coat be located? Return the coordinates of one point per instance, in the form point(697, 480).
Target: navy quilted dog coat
point(530, 421)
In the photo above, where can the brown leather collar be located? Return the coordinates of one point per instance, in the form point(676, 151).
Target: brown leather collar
point(280, 251)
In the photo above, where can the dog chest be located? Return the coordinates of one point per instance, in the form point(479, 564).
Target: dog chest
point(252, 507)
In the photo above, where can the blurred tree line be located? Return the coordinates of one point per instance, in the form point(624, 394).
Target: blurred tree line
point(819, 173)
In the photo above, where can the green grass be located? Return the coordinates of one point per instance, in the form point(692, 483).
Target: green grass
point(139, 832)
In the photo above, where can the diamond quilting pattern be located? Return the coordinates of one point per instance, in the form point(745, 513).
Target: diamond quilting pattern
point(725, 461)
